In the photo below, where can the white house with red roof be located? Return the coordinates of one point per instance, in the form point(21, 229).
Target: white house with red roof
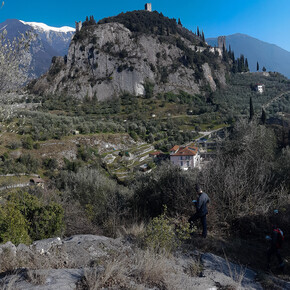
point(185, 156)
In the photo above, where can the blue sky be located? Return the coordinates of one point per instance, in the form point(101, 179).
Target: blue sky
point(267, 20)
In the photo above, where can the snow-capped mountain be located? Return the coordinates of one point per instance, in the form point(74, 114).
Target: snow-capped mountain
point(47, 42)
point(58, 38)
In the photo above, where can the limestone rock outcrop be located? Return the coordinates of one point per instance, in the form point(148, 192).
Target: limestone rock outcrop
point(106, 60)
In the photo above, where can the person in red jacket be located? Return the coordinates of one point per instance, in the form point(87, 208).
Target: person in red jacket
point(277, 237)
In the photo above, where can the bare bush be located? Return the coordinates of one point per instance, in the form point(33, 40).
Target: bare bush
point(35, 277)
point(168, 186)
point(240, 179)
point(13, 61)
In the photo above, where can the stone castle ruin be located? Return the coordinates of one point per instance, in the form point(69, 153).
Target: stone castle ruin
point(148, 7)
point(222, 42)
point(78, 26)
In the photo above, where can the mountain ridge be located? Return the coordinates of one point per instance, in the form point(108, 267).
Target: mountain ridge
point(45, 44)
point(273, 57)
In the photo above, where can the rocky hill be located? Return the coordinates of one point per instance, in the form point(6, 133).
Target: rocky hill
point(138, 52)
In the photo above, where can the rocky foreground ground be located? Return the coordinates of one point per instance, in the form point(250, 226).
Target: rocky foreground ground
point(98, 262)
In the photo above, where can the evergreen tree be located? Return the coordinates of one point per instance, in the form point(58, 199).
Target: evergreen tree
point(234, 68)
point(263, 69)
point(202, 37)
point(263, 117)
point(233, 56)
point(242, 63)
point(258, 67)
point(197, 31)
point(179, 22)
point(251, 109)
point(246, 65)
point(225, 54)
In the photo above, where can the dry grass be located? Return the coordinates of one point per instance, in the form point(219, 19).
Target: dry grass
point(8, 261)
point(151, 268)
point(35, 277)
point(137, 271)
point(9, 283)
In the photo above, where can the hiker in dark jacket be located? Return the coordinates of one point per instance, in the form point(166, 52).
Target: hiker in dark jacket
point(201, 209)
point(276, 239)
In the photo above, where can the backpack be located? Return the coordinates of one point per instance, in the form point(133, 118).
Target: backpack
point(280, 237)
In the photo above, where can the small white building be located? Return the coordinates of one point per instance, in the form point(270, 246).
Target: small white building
point(260, 88)
point(185, 156)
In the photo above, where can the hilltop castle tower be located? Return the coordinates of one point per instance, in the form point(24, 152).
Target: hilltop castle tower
point(148, 7)
point(222, 42)
point(78, 26)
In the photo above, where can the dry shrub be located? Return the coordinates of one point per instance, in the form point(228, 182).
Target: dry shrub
point(77, 220)
point(35, 277)
point(151, 268)
point(9, 283)
point(142, 268)
point(135, 230)
point(90, 280)
point(194, 268)
point(8, 260)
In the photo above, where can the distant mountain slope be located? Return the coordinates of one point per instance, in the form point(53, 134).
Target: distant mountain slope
point(48, 42)
point(269, 55)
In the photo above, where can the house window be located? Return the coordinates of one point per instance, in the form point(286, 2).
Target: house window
point(187, 163)
point(187, 157)
point(181, 163)
point(180, 157)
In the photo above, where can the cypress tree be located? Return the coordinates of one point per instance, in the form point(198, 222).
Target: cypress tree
point(197, 31)
point(251, 109)
point(258, 67)
point(263, 117)
point(246, 65)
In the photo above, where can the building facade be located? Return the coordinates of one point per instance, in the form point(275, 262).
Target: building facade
point(185, 157)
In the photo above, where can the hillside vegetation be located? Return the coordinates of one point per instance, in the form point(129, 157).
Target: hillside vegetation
point(86, 136)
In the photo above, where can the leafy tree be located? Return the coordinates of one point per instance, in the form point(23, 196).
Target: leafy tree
point(13, 225)
point(23, 218)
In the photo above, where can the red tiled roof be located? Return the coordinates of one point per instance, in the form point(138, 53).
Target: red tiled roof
point(174, 148)
point(186, 151)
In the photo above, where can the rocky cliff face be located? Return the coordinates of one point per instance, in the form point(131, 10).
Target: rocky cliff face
point(106, 60)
